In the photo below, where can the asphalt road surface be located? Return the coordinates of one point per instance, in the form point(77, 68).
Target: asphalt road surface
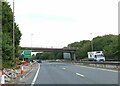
point(63, 73)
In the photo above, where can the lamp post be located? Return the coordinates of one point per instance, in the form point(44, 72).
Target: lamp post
point(13, 34)
point(91, 42)
point(31, 42)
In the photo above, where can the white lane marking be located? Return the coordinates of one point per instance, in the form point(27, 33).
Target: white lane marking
point(29, 72)
point(80, 74)
point(63, 68)
point(33, 82)
point(99, 68)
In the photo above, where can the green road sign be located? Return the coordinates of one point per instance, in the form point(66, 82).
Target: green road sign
point(26, 53)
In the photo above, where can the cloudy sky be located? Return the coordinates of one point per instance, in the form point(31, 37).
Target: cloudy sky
point(56, 23)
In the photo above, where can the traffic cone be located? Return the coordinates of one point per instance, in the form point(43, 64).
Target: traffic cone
point(3, 78)
point(22, 71)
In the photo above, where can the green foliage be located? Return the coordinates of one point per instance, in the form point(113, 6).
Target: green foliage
point(7, 36)
point(59, 55)
point(118, 51)
point(38, 56)
point(107, 43)
point(83, 48)
point(49, 55)
point(33, 57)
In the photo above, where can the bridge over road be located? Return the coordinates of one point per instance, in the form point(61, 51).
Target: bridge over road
point(64, 50)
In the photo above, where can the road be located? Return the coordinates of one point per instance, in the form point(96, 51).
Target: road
point(63, 73)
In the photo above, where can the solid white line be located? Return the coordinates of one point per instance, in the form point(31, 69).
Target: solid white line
point(80, 74)
point(33, 82)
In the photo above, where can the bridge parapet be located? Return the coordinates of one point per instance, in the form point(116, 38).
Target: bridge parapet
point(36, 49)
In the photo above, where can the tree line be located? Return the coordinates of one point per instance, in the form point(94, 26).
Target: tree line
point(48, 55)
point(109, 44)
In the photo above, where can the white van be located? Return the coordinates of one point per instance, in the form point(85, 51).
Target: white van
point(96, 56)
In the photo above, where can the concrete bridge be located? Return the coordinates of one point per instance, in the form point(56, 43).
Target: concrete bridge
point(63, 50)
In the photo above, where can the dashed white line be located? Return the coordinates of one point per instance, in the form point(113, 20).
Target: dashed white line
point(33, 82)
point(63, 68)
point(80, 74)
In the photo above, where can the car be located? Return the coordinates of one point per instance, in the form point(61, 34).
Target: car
point(39, 61)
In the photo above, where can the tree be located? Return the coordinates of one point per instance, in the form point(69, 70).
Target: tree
point(118, 49)
point(7, 36)
point(38, 56)
point(33, 57)
point(108, 44)
point(83, 47)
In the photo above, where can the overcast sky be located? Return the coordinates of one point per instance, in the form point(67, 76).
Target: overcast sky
point(57, 23)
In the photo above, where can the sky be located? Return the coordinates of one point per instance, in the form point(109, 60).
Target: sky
point(57, 23)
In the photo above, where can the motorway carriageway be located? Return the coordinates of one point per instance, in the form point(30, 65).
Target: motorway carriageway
point(64, 73)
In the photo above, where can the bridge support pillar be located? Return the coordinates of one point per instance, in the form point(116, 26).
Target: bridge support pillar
point(73, 56)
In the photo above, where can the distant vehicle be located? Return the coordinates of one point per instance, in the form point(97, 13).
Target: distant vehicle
point(58, 60)
point(39, 61)
point(96, 56)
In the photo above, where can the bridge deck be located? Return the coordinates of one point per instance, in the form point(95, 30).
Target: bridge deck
point(36, 49)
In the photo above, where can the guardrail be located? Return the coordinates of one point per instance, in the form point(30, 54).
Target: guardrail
point(107, 64)
point(95, 62)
